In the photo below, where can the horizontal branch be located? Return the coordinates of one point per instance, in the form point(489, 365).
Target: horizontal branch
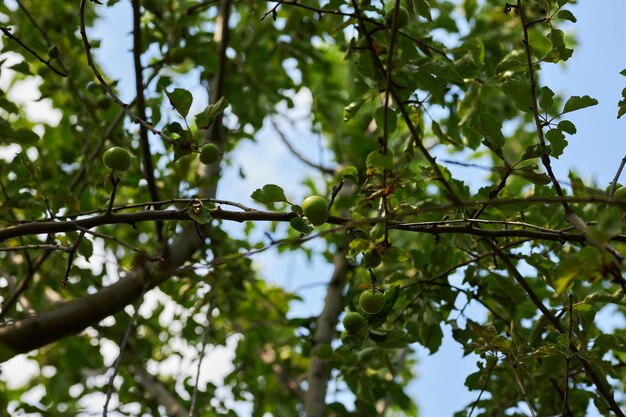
point(524, 230)
point(45, 227)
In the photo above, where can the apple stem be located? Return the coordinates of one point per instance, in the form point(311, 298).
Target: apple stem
point(372, 278)
point(114, 181)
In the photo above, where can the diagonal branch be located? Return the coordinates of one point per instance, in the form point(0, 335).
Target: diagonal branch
point(570, 215)
point(600, 382)
point(8, 34)
point(294, 151)
point(107, 87)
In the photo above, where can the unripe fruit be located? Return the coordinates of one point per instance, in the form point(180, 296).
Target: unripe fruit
point(315, 209)
point(117, 159)
point(209, 154)
point(372, 258)
point(350, 340)
point(353, 321)
point(620, 193)
point(371, 301)
point(53, 52)
point(403, 17)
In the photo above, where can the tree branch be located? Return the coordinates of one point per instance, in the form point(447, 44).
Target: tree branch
point(601, 384)
point(319, 369)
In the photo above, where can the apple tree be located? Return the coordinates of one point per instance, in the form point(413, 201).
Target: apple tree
point(121, 259)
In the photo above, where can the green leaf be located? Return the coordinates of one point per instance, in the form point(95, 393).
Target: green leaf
point(443, 138)
point(576, 103)
point(206, 116)
point(546, 99)
point(557, 140)
point(392, 119)
point(566, 15)
point(200, 214)
point(584, 264)
point(532, 175)
point(85, 248)
point(423, 9)
point(622, 104)
point(490, 127)
point(610, 223)
point(509, 63)
point(377, 160)
point(351, 173)
point(352, 109)
point(567, 127)
point(181, 100)
point(25, 137)
point(299, 224)
point(519, 91)
point(22, 67)
point(270, 193)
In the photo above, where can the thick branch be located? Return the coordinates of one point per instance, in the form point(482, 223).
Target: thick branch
point(319, 369)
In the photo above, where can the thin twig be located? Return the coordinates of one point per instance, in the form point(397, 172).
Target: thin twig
point(107, 87)
point(484, 388)
point(42, 246)
point(114, 182)
point(7, 33)
point(567, 358)
point(70, 259)
point(520, 384)
point(616, 177)
point(121, 243)
point(283, 138)
point(205, 341)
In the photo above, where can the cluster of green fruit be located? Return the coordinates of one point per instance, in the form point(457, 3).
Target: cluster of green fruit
point(371, 302)
point(118, 159)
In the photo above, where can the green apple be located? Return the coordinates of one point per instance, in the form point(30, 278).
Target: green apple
point(403, 17)
point(53, 52)
point(117, 159)
point(315, 209)
point(620, 193)
point(353, 321)
point(209, 154)
point(372, 301)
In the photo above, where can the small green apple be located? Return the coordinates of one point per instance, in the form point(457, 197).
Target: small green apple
point(371, 301)
point(117, 159)
point(353, 321)
point(209, 154)
point(620, 193)
point(315, 209)
point(403, 17)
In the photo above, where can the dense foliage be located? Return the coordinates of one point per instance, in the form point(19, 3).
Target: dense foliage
point(395, 87)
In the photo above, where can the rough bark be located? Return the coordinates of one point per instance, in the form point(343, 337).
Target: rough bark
point(319, 369)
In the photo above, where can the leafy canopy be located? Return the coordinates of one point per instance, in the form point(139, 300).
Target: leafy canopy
point(151, 263)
